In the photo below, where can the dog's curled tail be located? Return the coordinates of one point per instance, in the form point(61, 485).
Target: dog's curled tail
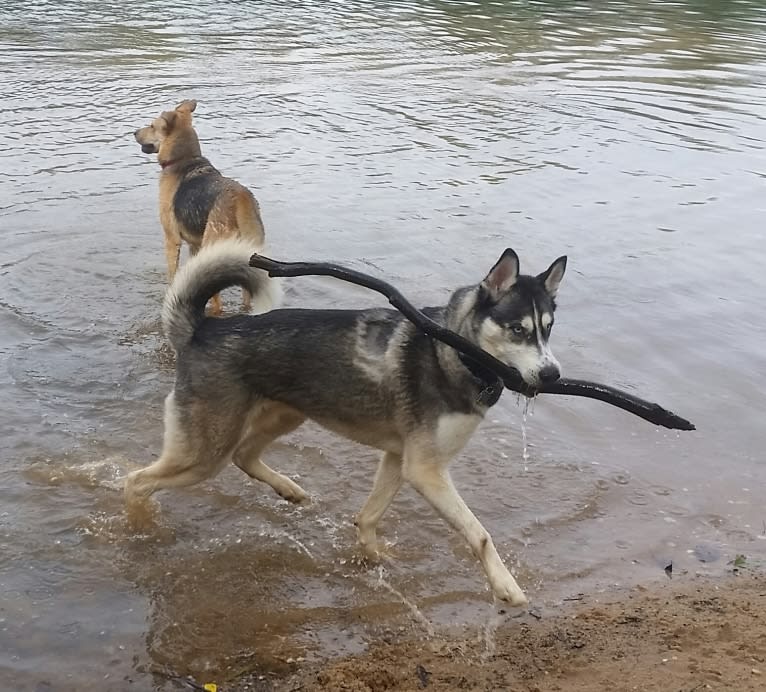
point(218, 266)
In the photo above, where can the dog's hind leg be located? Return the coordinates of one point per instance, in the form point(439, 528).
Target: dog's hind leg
point(195, 448)
point(388, 481)
point(267, 425)
point(213, 232)
point(247, 214)
point(174, 469)
point(216, 306)
point(429, 476)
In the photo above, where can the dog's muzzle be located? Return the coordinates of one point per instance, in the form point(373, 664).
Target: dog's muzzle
point(148, 148)
point(549, 373)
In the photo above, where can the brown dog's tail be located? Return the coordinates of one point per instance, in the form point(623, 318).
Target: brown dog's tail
point(217, 267)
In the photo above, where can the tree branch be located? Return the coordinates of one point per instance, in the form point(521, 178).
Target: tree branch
point(654, 413)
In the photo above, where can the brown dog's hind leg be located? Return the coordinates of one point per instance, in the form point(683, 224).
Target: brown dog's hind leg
point(216, 305)
point(247, 216)
point(247, 300)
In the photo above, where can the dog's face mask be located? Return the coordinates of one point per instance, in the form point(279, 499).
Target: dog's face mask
point(516, 317)
point(152, 136)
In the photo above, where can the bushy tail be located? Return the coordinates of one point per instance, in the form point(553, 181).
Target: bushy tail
point(216, 267)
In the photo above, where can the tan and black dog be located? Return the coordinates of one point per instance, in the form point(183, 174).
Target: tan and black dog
point(197, 204)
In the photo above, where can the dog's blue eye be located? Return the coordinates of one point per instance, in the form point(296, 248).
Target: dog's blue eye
point(517, 329)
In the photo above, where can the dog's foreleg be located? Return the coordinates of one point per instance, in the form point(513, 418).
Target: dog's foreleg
point(388, 480)
point(429, 476)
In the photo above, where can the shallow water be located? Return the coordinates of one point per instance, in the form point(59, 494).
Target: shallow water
point(416, 141)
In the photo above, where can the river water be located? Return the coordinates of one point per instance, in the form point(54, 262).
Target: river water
point(413, 140)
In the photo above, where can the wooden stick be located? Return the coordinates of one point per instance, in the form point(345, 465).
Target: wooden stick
point(654, 413)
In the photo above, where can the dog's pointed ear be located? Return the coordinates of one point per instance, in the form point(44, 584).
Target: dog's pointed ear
point(502, 276)
point(170, 118)
point(187, 106)
point(552, 276)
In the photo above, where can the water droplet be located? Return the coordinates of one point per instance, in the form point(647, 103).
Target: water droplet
point(525, 448)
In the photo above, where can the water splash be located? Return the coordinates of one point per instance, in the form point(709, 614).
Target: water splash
point(278, 534)
point(107, 528)
point(499, 612)
point(417, 614)
point(106, 473)
point(103, 527)
point(332, 530)
point(375, 577)
point(488, 631)
point(525, 446)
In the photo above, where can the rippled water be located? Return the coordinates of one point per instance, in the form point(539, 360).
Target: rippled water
point(414, 140)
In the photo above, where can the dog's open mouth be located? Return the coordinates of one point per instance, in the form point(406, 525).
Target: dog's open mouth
point(148, 149)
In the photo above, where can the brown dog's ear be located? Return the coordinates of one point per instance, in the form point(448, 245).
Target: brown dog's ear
point(187, 106)
point(170, 118)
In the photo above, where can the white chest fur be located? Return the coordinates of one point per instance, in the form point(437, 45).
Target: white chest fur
point(453, 430)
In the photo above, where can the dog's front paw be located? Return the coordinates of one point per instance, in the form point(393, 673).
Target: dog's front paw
point(509, 591)
point(369, 550)
point(376, 553)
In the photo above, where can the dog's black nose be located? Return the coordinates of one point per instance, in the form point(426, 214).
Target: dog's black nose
point(550, 373)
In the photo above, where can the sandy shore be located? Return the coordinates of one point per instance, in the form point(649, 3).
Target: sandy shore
point(683, 635)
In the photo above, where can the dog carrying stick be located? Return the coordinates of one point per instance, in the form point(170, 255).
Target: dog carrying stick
point(511, 378)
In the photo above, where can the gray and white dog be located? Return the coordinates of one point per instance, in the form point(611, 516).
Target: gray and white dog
point(369, 375)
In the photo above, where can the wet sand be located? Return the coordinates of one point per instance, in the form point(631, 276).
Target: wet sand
point(689, 633)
